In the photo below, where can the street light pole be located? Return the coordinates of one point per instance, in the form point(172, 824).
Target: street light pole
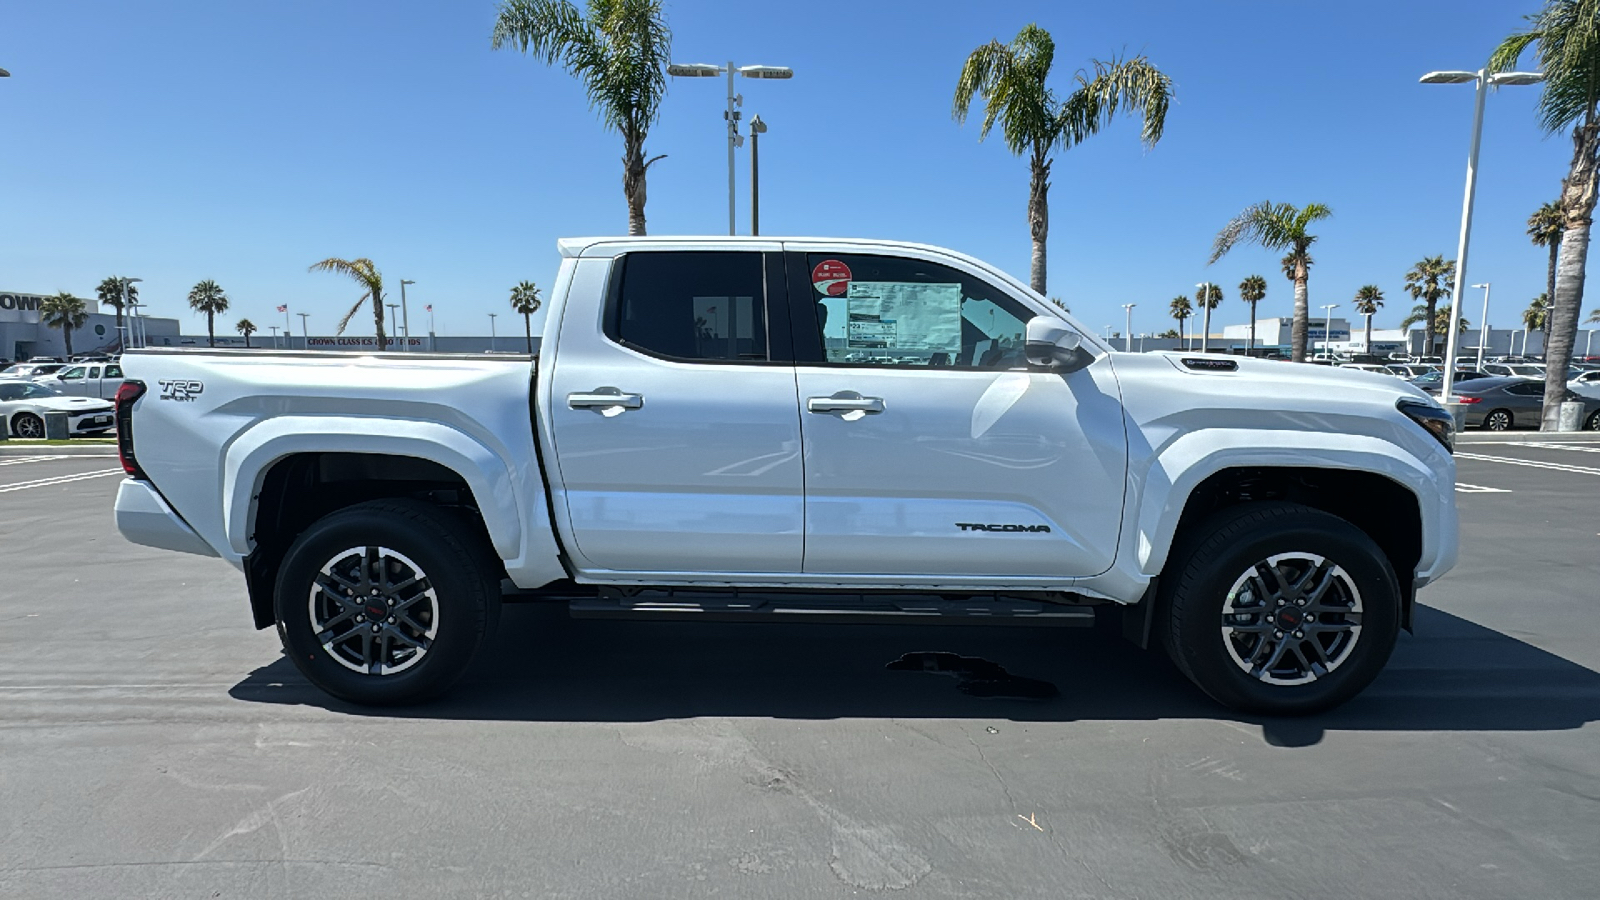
point(1127, 336)
point(405, 312)
point(274, 336)
point(731, 114)
point(1483, 325)
point(392, 317)
point(1327, 330)
point(1481, 80)
point(125, 283)
point(491, 331)
point(305, 336)
point(1204, 296)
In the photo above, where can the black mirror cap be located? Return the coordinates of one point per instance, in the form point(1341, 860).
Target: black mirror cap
point(1434, 420)
point(1057, 358)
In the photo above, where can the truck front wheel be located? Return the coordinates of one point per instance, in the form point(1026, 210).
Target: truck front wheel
point(384, 602)
point(1280, 609)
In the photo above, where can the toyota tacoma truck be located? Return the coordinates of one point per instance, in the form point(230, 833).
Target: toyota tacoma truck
point(800, 430)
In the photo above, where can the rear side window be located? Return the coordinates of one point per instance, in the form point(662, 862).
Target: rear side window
point(693, 306)
point(1526, 390)
point(113, 371)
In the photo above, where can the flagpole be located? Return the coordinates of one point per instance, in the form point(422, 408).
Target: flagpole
point(287, 328)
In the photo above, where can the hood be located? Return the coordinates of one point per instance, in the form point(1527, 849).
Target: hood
point(72, 404)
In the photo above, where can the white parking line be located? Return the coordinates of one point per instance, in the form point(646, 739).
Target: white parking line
point(20, 460)
point(1579, 447)
point(1479, 489)
point(59, 479)
point(1559, 467)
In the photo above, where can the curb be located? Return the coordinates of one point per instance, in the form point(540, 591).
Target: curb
point(1528, 437)
point(15, 447)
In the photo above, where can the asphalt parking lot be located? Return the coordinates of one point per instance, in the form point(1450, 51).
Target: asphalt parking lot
point(153, 745)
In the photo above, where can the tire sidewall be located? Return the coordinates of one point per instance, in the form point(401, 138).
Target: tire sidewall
point(26, 417)
point(1204, 649)
point(462, 606)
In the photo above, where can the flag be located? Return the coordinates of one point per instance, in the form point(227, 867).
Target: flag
point(284, 308)
point(430, 307)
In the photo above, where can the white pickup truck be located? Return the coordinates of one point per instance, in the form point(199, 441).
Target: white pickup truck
point(813, 430)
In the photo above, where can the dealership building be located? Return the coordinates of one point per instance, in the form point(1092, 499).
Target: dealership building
point(23, 334)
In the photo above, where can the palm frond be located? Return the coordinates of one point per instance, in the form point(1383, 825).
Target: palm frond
point(1010, 80)
point(1135, 85)
point(1566, 34)
point(1252, 289)
point(345, 320)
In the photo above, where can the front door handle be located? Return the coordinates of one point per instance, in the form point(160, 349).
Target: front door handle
point(608, 400)
point(845, 402)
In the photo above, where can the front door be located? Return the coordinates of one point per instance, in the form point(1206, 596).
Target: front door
point(931, 447)
point(674, 417)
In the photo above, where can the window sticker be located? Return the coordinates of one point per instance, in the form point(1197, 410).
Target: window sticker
point(831, 278)
point(925, 318)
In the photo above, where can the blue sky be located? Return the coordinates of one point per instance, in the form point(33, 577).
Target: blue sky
point(178, 141)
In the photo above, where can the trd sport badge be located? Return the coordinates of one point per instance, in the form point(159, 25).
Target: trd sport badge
point(179, 389)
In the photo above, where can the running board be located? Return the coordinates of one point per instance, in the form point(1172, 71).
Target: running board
point(829, 608)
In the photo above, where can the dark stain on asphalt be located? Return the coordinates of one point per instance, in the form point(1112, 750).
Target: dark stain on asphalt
point(977, 677)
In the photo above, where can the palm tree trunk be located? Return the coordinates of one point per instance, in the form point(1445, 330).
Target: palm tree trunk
point(1550, 278)
point(247, 340)
point(1205, 336)
point(1561, 319)
point(1431, 325)
point(66, 338)
point(211, 331)
point(1369, 334)
point(633, 184)
point(1252, 349)
point(1302, 314)
point(1038, 219)
point(377, 321)
point(527, 329)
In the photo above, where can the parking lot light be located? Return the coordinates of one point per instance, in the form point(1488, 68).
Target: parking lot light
point(732, 114)
point(1483, 324)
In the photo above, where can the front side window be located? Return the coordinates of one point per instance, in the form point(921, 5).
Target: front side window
point(895, 311)
point(691, 305)
point(73, 374)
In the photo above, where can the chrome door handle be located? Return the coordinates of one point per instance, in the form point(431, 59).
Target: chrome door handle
point(605, 398)
point(868, 405)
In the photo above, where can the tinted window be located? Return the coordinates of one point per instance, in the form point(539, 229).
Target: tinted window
point(72, 374)
point(113, 371)
point(890, 310)
point(1525, 390)
point(692, 305)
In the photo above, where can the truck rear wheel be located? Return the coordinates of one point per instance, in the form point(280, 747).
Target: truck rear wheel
point(385, 602)
point(1280, 609)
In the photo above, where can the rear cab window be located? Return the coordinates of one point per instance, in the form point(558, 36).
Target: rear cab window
point(694, 306)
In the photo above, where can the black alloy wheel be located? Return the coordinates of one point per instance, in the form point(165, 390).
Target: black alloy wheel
point(27, 425)
point(1498, 420)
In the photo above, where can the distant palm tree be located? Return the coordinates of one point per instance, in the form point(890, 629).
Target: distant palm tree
point(1208, 296)
point(364, 273)
point(525, 300)
point(246, 328)
point(1535, 318)
point(116, 292)
point(1280, 226)
point(65, 312)
point(1010, 80)
point(618, 52)
point(1429, 281)
point(1368, 299)
point(1545, 228)
point(1567, 33)
point(1181, 310)
point(1171, 334)
point(1253, 290)
point(207, 297)
point(1594, 317)
point(1441, 319)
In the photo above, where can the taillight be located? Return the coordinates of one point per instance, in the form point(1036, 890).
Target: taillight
point(1465, 399)
point(126, 395)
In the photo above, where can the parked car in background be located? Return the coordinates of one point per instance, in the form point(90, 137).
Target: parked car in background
point(30, 370)
point(1588, 376)
point(1432, 382)
point(23, 406)
point(1411, 370)
point(98, 380)
point(1524, 369)
point(1502, 403)
point(1368, 367)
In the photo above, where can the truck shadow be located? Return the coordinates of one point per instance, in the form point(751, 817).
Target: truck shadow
point(1452, 675)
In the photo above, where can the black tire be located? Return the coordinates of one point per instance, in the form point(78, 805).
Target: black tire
point(1594, 422)
point(1220, 553)
point(1498, 420)
point(448, 613)
point(27, 425)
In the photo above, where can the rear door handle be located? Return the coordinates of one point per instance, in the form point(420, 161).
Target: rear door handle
point(608, 399)
point(845, 402)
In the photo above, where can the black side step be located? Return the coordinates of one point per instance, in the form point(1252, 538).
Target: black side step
point(777, 606)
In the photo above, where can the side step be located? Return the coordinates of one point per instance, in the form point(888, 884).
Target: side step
point(865, 608)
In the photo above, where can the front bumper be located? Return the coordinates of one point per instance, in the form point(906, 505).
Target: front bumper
point(91, 422)
point(144, 517)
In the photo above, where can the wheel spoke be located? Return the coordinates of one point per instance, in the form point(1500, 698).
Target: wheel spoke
point(1264, 670)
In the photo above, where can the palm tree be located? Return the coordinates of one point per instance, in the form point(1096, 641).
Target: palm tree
point(1280, 226)
point(1010, 79)
point(1567, 33)
point(619, 53)
point(1535, 318)
point(65, 312)
point(1253, 290)
point(1429, 281)
point(116, 292)
point(207, 297)
point(1594, 317)
point(364, 273)
point(525, 300)
point(1441, 320)
point(246, 328)
point(1368, 298)
point(1208, 296)
point(1545, 227)
point(1180, 309)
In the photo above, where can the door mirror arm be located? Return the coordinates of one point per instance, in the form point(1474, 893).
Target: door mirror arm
point(1053, 344)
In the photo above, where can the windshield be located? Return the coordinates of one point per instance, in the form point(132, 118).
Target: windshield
point(23, 391)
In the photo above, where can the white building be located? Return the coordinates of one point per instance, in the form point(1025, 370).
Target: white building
point(23, 333)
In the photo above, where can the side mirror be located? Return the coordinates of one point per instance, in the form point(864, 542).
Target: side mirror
point(1051, 343)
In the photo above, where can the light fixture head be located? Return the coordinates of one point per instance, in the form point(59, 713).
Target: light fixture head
point(1449, 77)
point(1516, 78)
point(407, 281)
point(766, 71)
point(694, 70)
point(1484, 285)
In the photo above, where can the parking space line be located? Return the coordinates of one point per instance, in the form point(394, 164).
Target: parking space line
point(59, 479)
point(1581, 448)
point(19, 460)
point(1558, 467)
point(1479, 489)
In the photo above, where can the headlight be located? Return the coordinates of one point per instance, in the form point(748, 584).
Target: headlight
point(1435, 421)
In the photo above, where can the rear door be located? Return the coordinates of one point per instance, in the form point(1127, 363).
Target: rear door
point(674, 416)
point(932, 448)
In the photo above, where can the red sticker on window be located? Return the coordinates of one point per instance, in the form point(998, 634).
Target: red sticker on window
point(831, 277)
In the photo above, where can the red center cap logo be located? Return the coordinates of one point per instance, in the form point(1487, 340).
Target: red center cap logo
point(377, 612)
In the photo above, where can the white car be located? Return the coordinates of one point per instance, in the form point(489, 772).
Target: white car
point(23, 406)
point(25, 371)
point(1368, 367)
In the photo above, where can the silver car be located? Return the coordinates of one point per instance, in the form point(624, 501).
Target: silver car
point(91, 379)
point(1502, 403)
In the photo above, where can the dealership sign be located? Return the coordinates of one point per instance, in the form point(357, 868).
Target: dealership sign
point(357, 343)
point(20, 307)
